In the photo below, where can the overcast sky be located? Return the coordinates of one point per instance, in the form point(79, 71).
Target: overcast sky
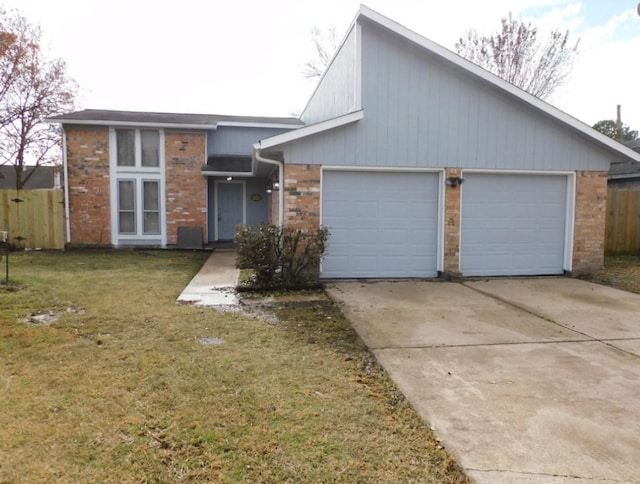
point(246, 56)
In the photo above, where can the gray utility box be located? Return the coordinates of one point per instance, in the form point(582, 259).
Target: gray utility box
point(189, 238)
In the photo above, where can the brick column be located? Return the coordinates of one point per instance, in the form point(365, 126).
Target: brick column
point(452, 225)
point(89, 193)
point(590, 216)
point(302, 196)
point(186, 187)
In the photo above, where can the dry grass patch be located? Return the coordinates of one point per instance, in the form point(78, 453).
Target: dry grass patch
point(120, 388)
point(621, 272)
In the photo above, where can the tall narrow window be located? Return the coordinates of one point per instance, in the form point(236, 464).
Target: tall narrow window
point(150, 141)
point(126, 147)
point(151, 207)
point(126, 207)
point(137, 168)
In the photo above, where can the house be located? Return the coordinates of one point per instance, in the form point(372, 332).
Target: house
point(44, 177)
point(418, 161)
point(625, 175)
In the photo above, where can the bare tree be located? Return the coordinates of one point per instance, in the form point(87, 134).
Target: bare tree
point(32, 88)
point(519, 56)
point(325, 44)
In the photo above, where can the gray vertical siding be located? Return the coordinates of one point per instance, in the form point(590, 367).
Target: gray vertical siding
point(257, 211)
point(422, 111)
point(336, 94)
point(232, 140)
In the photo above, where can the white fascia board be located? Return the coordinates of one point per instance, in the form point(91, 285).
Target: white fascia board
point(305, 131)
point(259, 125)
point(402, 31)
point(132, 124)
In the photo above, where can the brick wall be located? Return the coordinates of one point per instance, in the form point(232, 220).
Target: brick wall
point(274, 200)
point(302, 196)
point(588, 241)
point(186, 188)
point(452, 225)
point(89, 199)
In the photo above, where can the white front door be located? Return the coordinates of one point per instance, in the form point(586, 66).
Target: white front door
point(230, 208)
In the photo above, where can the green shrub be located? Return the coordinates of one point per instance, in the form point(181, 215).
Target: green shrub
point(281, 257)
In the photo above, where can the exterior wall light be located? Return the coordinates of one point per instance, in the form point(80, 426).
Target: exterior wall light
point(273, 186)
point(454, 181)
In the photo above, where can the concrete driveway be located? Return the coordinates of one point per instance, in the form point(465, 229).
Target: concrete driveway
point(525, 380)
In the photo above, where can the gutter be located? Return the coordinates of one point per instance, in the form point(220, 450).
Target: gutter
point(257, 154)
point(65, 165)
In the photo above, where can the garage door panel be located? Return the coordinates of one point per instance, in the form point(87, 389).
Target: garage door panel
point(382, 224)
point(513, 224)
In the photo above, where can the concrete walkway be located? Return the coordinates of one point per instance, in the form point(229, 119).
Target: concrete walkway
point(525, 380)
point(214, 285)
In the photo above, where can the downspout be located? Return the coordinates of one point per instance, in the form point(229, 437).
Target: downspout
point(258, 156)
point(65, 166)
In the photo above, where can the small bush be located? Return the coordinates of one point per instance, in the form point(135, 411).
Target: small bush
point(281, 257)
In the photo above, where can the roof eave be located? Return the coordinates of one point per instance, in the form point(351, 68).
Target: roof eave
point(132, 124)
point(309, 130)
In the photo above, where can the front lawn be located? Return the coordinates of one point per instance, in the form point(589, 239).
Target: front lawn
point(118, 383)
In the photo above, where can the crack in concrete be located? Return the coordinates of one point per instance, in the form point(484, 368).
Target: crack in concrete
point(545, 474)
point(527, 310)
point(513, 343)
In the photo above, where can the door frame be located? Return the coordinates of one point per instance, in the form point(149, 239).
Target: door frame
point(216, 184)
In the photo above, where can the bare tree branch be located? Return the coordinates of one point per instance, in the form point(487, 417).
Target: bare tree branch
point(517, 55)
point(325, 44)
point(32, 88)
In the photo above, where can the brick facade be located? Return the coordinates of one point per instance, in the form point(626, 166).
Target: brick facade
point(89, 198)
point(186, 197)
point(302, 196)
point(452, 225)
point(590, 213)
point(186, 188)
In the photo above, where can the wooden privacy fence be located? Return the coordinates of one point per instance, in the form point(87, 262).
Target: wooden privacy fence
point(34, 218)
point(623, 222)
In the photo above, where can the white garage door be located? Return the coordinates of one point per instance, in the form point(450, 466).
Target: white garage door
point(513, 224)
point(382, 224)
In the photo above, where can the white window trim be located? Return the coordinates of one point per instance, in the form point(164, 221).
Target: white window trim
point(139, 174)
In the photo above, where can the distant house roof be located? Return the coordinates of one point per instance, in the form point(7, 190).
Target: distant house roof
point(626, 169)
point(44, 177)
point(102, 117)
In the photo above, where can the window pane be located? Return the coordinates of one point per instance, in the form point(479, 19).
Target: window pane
point(126, 147)
point(150, 148)
point(151, 223)
point(126, 206)
point(126, 195)
point(151, 207)
point(127, 223)
point(151, 195)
